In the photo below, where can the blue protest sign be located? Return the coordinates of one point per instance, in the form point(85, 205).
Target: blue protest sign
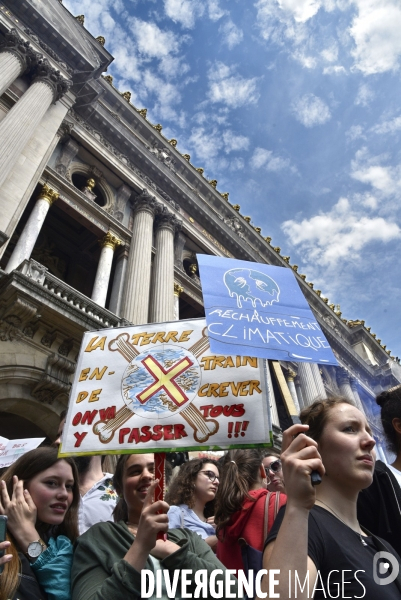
point(259, 310)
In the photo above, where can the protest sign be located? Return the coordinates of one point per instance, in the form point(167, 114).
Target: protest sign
point(159, 388)
point(259, 309)
point(10, 450)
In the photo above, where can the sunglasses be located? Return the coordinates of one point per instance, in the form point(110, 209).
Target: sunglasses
point(274, 467)
point(211, 476)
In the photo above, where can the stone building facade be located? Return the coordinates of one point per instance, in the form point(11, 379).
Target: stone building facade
point(101, 219)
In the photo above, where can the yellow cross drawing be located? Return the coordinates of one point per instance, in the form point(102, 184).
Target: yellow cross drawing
point(165, 379)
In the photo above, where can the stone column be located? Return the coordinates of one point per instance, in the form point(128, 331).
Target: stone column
point(344, 384)
point(300, 397)
point(178, 289)
point(120, 270)
point(162, 301)
point(179, 243)
point(109, 243)
point(308, 386)
point(318, 381)
point(136, 295)
point(23, 118)
point(30, 233)
point(16, 56)
point(354, 388)
point(290, 376)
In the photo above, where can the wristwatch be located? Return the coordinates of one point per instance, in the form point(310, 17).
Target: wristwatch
point(35, 549)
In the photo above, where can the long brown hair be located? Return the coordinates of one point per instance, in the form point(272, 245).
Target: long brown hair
point(240, 472)
point(26, 468)
point(182, 488)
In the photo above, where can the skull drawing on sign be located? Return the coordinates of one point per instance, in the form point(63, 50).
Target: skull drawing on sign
point(252, 285)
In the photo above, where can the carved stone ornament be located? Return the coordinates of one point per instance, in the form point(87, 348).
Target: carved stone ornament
point(143, 112)
point(34, 270)
point(101, 40)
point(178, 289)
point(48, 50)
point(167, 219)
point(126, 96)
point(331, 322)
point(45, 72)
point(145, 202)
point(68, 153)
point(162, 154)
point(234, 223)
point(55, 380)
point(122, 197)
point(46, 193)
point(65, 129)
point(110, 241)
point(14, 317)
point(122, 157)
point(14, 44)
point(108, 78)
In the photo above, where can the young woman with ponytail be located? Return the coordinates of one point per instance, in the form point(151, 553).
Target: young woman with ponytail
point(243, 505)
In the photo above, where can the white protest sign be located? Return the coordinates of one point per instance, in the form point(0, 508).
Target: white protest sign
point(10, 450)
point(158, 388)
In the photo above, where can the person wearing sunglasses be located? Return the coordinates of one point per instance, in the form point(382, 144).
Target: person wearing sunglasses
point(245, 509)
point(274, 472)
point(191, 497)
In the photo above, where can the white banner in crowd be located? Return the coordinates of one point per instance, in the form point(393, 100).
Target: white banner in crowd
point(158, 388)
point(10, 450)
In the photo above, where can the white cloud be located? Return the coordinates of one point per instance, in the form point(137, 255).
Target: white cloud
point(310, 110)
point(215, 11)
point(184, 12)
point(301, 10)
point(338, 235)
point(151, 40)
point(334, 70)
point(369, 170)
point(330, 54)
point(234, 142)
point(232, 35)
point(364, 95)
point(309, 62)
point(388, 126)
point(355, 132)
point(265, 158)
point(376, 32)
point(231, 89)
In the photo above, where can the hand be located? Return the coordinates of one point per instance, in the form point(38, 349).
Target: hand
point(211, 522)
point(7, 557)
point(299, 458)
point(153, 520)
point(21, 512)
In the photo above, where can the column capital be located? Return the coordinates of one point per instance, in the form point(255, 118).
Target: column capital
point(48, 194)
point(168, 220)
point(110, 241)
point(145, 202)
point(14, 44)
point(291, 375)
point(44, 72)
point(178, 289)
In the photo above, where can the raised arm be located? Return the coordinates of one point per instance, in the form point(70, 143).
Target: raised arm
point(289, 552)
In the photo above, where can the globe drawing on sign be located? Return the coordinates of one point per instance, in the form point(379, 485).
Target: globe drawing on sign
point(163, 381)
point(248, 284)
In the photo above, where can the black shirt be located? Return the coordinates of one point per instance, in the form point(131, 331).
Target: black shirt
point(340, 556)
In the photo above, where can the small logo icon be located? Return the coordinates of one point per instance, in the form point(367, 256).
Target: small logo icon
point(385, 568)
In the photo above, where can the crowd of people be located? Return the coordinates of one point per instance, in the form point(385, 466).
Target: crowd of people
point(76, 532)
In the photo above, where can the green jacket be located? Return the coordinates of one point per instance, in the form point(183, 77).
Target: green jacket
point(100, 573)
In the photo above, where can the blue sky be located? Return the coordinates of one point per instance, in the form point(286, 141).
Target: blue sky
point(294, 106)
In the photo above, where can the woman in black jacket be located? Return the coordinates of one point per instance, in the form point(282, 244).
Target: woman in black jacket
point(379, 506)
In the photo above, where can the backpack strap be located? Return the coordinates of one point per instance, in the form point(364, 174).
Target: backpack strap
point(266, 517)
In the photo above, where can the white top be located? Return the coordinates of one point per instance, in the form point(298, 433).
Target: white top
point(182, 516)
point(97, 504)
point(396, 473)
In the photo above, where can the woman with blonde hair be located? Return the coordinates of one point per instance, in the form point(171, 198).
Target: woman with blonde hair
point(39, 494)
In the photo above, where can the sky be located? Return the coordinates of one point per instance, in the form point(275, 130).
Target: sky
point(294, 106)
